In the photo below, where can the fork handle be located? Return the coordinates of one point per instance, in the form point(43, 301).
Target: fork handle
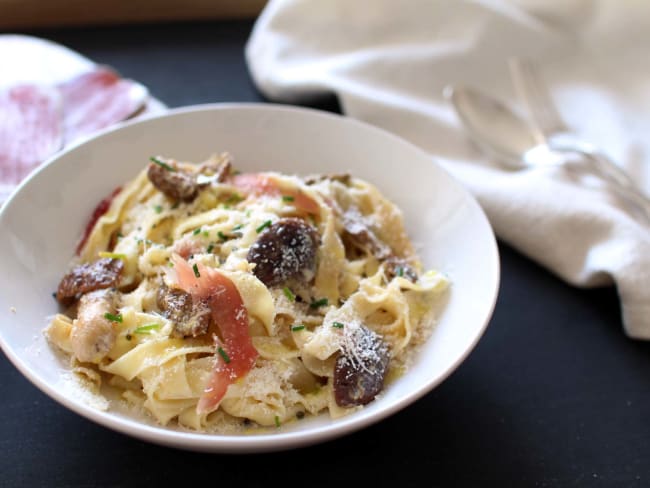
point(611, 172)
point(606, 169)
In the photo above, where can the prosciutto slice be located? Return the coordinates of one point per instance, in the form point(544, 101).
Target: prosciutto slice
point(98, 99)
point(31, 130)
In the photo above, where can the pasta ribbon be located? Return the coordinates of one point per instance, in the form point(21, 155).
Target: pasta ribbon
point(195, 284)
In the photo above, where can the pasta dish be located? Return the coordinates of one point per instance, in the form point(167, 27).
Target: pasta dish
point(223, 302)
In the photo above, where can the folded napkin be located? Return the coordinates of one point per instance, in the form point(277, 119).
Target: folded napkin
point(389, 61)
point(51, 97)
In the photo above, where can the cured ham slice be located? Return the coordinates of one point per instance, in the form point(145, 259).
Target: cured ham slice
point(31, 130)
point(238, 355)
point(98, 99)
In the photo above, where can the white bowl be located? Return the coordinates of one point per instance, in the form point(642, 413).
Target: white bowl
point(42, 221)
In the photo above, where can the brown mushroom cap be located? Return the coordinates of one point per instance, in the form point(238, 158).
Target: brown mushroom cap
point(285, 251)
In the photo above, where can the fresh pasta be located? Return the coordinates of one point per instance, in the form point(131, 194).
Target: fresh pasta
point(224, 301)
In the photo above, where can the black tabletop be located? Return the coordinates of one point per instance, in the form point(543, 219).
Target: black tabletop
point(553, 395)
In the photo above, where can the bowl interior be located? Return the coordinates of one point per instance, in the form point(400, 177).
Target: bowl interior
point(43, 220)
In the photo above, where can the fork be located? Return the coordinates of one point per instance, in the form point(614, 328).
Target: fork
point(549, 129)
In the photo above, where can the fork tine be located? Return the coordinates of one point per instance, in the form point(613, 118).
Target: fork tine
point(535, 94)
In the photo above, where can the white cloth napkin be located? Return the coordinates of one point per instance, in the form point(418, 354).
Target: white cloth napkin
point(388, 61)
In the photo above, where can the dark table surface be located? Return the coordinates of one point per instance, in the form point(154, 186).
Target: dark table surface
point(553, 395)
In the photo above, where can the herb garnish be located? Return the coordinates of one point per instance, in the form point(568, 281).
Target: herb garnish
point(146, 329)
point(157, 208)
point(112, 255)
point(210, 248)
point(222, 236)
point(162, 164)
point(195, 267)
point(113, 318)
point(288, 198)
point(224, 355)
point(338, 325)
point(289, 294)
point(319, 303)
point(263, 226)
point(277, 421)
point(196, 231)
point(297, 328)
point(234, 198)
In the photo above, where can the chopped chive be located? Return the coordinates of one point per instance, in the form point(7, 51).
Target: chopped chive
point(146, 329)
point(112, 255)
point(319, 303)
point(170, 264)
point(297, 328)
point(288, 198)
point(224, 355)
point(263, 226)
point(119, 235)
point(289, 294)
point(113, 318)
point(210, 248)
point(338, 325)
point(195, 267)
point(162, 164)
point(222, 236)
point(157, 208)
point(400, 271)
point(238, 226)
point(234, 198)
point(196, 231)
point(277, 421)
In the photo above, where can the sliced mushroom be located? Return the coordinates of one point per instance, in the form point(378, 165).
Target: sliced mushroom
point(190, 318)
point(343, 178)
point(395, 266)
point(173, 181)
point(93, 333)
point(358, 232)
point(361, 367)
point(215, 171)
point(101, 274)
point(362, 236)
point(285, 251)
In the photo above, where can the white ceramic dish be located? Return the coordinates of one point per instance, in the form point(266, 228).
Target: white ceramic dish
point(43, 219)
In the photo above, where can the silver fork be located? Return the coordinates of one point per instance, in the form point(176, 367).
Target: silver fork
point(550, 129)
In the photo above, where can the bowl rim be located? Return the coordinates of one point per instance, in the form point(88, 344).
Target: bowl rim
point(276, 441)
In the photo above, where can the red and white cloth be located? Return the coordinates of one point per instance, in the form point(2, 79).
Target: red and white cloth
point(51, 97)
